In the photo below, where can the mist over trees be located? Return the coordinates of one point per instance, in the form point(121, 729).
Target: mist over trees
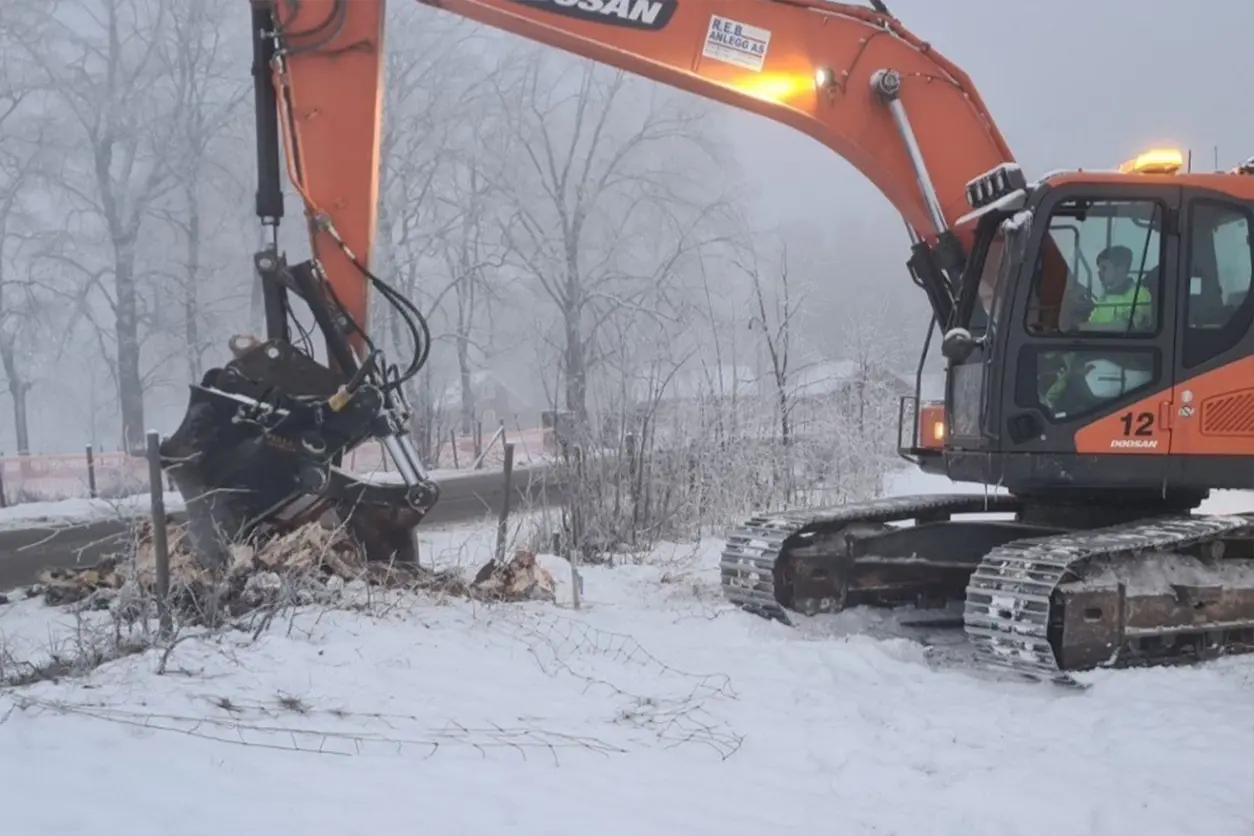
point(579, 239)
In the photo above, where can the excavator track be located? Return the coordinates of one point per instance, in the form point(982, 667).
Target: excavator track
point(1152, 591)
point(750, 556)
point(1129, 597)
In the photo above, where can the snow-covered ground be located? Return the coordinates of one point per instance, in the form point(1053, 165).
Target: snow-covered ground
point(74, 511)
point(656, 708)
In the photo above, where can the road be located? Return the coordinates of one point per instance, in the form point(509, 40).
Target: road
point(25, 552)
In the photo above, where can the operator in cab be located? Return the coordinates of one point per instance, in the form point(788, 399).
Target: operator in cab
point(1125, 306)
point(1126, 303)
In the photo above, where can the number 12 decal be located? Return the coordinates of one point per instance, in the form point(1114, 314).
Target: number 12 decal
point(1144, 422)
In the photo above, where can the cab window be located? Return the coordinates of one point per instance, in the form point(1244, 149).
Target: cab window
point(1074, 384)
point(1097, 276)
point(1218, 309)
point(1097, 272)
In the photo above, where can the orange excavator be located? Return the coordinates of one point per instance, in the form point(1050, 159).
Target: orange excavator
point(1097, 329)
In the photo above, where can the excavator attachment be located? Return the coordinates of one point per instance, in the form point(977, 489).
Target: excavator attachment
point(260, 447)
point(256, 455)
point(258, 450)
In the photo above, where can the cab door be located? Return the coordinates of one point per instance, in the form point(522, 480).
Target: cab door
point(1213, 402)
point(1091, 343)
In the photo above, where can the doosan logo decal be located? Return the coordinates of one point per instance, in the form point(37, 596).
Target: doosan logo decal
point(634, 14)
point(1134, 443)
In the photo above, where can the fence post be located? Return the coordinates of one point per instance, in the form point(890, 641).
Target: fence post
point(633, 483)
point(452, 434)
point(633, 464)
point(502, 526)
point(160, 544)
point(576, 528)
point(90, 473)
point(3, 502)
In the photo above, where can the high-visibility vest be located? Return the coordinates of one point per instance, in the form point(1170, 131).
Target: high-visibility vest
point(1115, 308)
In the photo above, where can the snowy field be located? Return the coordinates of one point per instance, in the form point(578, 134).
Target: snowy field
point(654, 709)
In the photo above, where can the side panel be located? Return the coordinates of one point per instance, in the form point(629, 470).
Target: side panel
point(1142, 427)
point(1214, 411)
point(1091, 361)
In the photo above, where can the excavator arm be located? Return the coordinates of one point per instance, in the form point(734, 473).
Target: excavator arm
point(259, 448)
point(318, 70)
point(852, 78)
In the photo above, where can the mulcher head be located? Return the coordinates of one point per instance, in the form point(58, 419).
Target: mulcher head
point(256, 456)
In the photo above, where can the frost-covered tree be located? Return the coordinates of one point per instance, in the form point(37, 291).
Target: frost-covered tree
point(614, 194)
point(101, 61)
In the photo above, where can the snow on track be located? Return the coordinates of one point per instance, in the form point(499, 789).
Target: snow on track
point(657, 708)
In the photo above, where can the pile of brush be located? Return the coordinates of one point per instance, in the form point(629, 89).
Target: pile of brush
point(308, 565)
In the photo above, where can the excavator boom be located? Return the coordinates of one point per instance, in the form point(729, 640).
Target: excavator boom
point(807, 64)
point(852, 78)
point(329, 84)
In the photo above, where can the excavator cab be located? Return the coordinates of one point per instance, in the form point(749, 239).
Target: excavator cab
point(1097, 296)
point(1099, 348)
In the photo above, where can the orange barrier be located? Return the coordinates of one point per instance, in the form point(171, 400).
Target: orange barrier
point(66, 476)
